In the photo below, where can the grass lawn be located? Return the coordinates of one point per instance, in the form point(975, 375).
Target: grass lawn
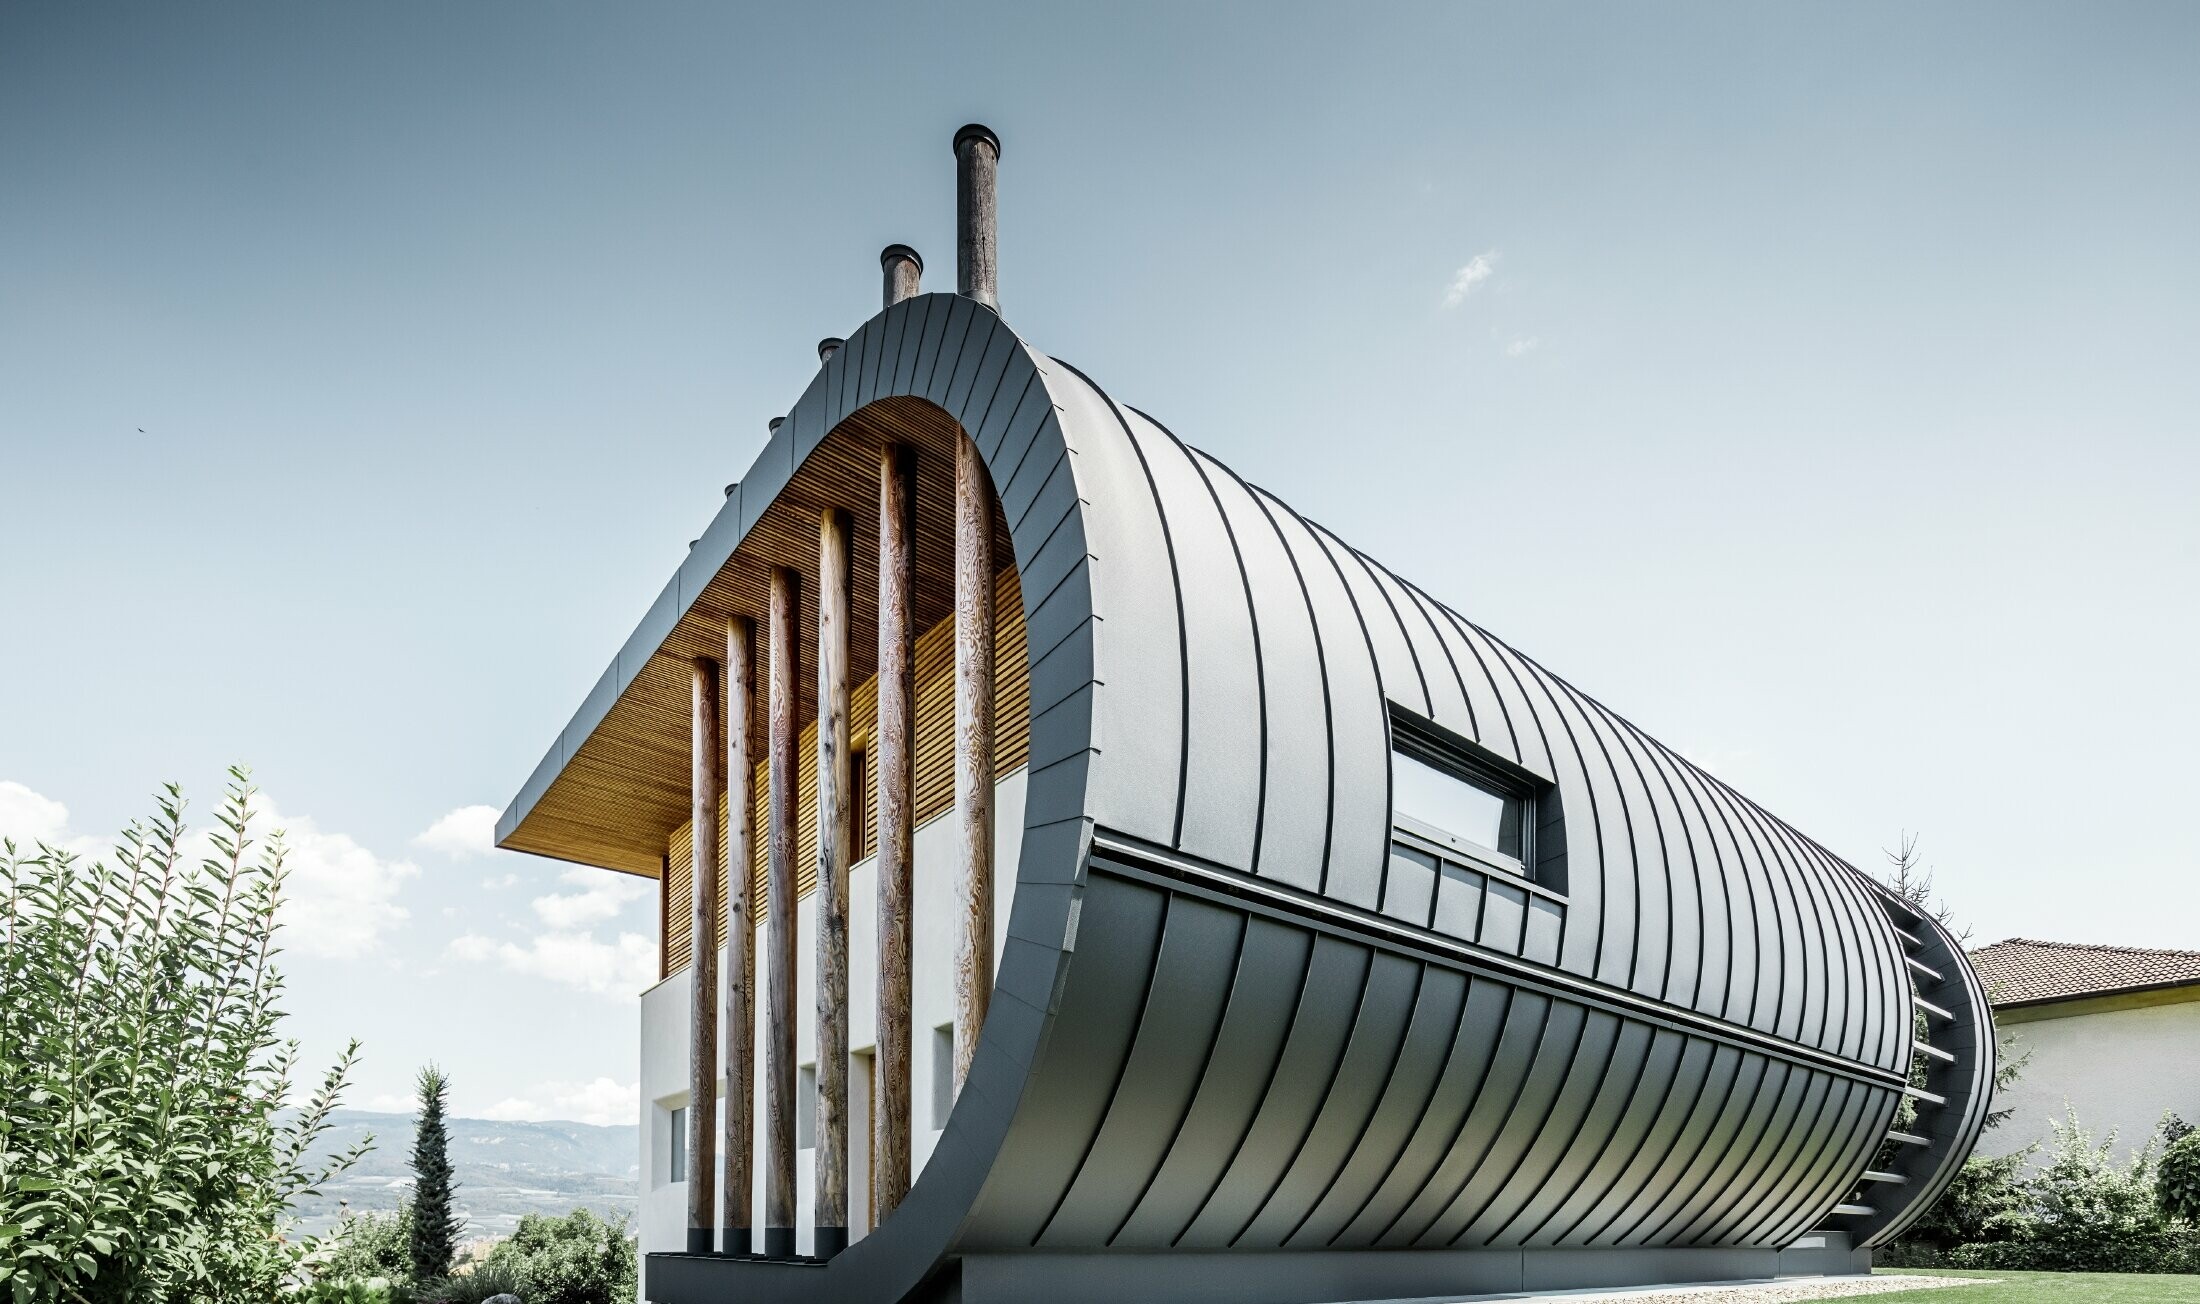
point(2041, 1287)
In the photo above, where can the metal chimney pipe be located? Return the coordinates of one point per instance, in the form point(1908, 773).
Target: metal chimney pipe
point(977, 255)
point(904, 271)
point(828, 346)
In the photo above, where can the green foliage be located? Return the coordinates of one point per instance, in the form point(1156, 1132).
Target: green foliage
point(367, 1246)
point(355, 1290)
point(141, 1153)
point(1987, 1200)
point(435, 1223)
point(577, 1259)
point(2177, 1185)
point(2087, 1214)
point(486, 1281)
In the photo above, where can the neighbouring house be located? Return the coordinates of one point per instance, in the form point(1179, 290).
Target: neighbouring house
point(2113, 1033)
point(1087, 879)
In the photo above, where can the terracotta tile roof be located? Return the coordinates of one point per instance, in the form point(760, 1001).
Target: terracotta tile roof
point(2021, 971)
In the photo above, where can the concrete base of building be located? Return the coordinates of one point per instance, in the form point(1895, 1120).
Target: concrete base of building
point(1279, 1277)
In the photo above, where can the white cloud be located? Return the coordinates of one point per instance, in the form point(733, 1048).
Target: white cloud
point(464, 833)
point(602, 1102)
point(1521, 346)
point(497, 881)
point(338, 897)
point(1470, 278)
point(601, 897)
point(390, 1102)
point(622, 966)
point(29, 818)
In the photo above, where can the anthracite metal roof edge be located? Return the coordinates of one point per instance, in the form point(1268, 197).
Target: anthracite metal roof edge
point(783, 450)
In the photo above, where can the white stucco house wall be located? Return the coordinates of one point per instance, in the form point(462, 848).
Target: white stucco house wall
point(2113, 1033)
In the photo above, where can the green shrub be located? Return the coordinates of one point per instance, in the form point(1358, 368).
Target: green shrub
point(355, 1290)
point(577, 1259)
point(485, 1281)
point(2086, 1214)
point(2177, 1185)
point(1987, 1200)
point(368, 1245)
point(142, 1157)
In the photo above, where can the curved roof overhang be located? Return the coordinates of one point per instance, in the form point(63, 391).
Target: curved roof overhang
point(614, 785)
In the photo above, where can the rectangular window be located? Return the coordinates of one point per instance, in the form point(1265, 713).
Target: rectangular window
point(943, 1074)
point(1464, 819)
point(1458, 807)
point(859, 804)
point(676, 1169)
point(805, 1107)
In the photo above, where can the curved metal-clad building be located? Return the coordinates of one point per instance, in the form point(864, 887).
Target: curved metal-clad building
point(1351, 953)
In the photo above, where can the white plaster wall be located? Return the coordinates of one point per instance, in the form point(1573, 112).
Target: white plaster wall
point(2119, 1069)
point(662, 1219)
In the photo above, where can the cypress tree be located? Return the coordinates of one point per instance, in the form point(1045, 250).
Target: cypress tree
point(435, 1225)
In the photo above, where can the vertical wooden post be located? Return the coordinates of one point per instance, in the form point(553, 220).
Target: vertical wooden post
point(702, 1137)
point(830, 1236)
point(893, 764)
point(779, 1102)
point(973, 747)
point(740, 1018)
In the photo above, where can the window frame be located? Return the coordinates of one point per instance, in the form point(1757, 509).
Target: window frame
point(1432, 745)
point(1540, 869)
point(676, 1155)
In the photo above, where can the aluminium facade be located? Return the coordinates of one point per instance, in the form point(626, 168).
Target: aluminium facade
point(1344, 951)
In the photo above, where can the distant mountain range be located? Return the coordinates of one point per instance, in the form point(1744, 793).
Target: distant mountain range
point(503, 1170)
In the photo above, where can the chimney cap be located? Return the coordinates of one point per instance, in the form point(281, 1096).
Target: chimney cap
point(978, 131)
point(887, 255)
point(774, 424)
point(828, 346)
point(731, 487)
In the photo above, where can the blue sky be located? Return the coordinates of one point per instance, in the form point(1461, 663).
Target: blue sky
point(1816, 386)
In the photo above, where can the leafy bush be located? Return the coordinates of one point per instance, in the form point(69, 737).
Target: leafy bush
point(2176, 1251)
point(2087, 1214)
point(142, 1157)
point(486, 1281)
point(355, 1290)
point(1987, 1200)
point(2177, 1185)
point(368, 1245)
point(577, 1259)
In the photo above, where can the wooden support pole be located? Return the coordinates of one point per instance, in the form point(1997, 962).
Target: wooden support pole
point(740, 1018)
point(830, 1236)
point(702, 1137)
point(973, 748)
point(779, 1018)
point(893, 764)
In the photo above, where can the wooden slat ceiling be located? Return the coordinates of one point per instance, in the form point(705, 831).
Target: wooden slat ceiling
point(934, 766)
point(618, 800)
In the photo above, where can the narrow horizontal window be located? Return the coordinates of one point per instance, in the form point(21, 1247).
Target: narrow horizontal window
point(1457, 806)
point(1464, 819)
